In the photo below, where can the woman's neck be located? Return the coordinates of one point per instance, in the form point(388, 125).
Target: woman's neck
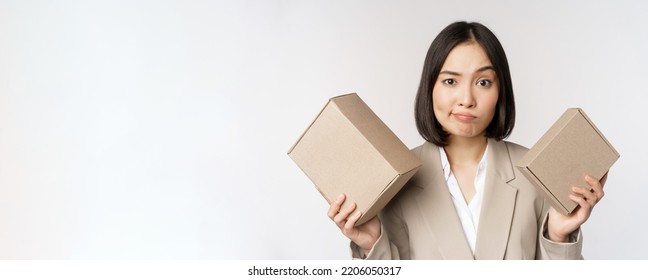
point(461, 150)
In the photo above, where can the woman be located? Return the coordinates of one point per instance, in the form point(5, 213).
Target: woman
point(468, 201)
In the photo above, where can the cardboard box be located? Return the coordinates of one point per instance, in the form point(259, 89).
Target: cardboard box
point(572, 148)
point(348, 149)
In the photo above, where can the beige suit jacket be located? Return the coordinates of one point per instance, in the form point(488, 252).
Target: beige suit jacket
point(421, 221)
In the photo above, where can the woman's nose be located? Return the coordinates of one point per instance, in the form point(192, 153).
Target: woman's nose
point(467, 99)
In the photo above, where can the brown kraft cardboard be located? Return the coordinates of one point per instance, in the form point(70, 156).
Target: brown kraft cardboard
point(348, 149)
point(572, 148)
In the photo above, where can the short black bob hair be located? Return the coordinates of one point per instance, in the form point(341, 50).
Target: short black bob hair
point(504, 119)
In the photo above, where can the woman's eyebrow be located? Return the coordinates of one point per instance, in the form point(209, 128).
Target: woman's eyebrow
point(481, 69)
point(485, 68)
point(448, 72)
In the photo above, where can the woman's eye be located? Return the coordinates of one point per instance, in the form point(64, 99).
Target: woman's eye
point(449, 82)
point(484, 83)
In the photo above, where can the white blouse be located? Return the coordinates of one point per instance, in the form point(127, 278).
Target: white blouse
point(468, 212)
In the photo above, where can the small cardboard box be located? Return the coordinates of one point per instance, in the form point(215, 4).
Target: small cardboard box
point(348, 149)
point(572, 148)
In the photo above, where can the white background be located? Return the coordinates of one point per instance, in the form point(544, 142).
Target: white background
point(159, 129)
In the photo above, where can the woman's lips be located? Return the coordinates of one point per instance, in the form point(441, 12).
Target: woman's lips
point(464, 117)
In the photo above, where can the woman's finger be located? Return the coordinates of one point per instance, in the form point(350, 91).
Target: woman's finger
point(343, 215)
point(335, 206)
point(582, 203)
point(597, 188)
point(589, 196)
point(350, 223)
point(604, 179)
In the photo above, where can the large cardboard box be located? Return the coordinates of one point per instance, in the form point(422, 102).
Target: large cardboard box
point(572, 148)
point(348, 149)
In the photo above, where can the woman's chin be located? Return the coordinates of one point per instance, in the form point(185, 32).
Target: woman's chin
point(467, 133)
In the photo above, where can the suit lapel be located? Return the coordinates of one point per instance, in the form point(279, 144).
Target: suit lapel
point(498, 204)
point(437, 209)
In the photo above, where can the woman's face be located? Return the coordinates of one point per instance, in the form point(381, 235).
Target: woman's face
point(466, 91)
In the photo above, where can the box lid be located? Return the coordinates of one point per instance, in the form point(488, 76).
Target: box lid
point(376, 132)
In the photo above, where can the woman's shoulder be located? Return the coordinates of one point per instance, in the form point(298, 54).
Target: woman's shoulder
point(421, 151)
point(515, 150)
point(417, 150)
point(515, 146)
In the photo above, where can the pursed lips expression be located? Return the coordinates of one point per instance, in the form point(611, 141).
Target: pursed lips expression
point(465, 93)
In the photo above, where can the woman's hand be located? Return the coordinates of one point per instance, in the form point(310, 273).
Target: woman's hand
point(561, 226)
point(365, 235)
